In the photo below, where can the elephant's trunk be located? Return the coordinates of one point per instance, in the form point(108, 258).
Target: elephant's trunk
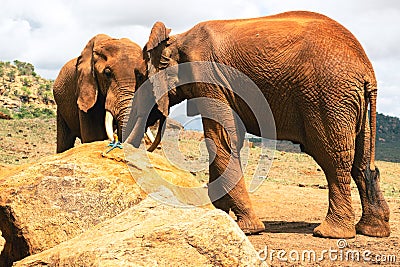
point(109, 125)
point(148, 133)
point(137, 133)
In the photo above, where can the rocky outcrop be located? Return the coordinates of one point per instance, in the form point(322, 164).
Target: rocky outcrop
point(44, 204)
point(85, 208)
point(4, 116)
point(153, 234)
point(8, 103)
point(61, 196)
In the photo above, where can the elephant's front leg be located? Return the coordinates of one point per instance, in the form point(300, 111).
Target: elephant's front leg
point(227, 189)
point(65, 136)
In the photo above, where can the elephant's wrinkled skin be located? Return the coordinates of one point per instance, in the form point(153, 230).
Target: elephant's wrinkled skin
point(103, 78)
point(318, 82)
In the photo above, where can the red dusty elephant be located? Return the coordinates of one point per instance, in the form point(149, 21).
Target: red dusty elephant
point(318, 83)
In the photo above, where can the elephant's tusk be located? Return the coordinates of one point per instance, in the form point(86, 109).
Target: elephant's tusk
point(160, 132)
point(109, 125)
point(150, 135)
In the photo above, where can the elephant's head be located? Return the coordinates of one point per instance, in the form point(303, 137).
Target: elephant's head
point(152, 102)
point(109, 71)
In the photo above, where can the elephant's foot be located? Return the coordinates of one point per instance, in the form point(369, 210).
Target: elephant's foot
point(250, 225)
point(329, 229)
point(370, 225)
point(375, 218)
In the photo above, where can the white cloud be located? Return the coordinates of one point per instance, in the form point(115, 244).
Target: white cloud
point(48, 33)
point(13, 32)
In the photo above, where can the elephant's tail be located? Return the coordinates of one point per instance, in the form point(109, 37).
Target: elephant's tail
point(372, 122)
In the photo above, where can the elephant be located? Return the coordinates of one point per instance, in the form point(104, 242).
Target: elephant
point(319, 84)
point(95, 88)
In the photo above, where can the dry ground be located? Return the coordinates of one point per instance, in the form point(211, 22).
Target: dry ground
point(291, 201)
point(291, 212)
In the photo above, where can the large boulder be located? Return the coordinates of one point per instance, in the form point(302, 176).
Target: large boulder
point(153, 234)
point(125, 208)
point(61, 196)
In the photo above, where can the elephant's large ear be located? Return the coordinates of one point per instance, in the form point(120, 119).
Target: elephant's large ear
point(86, 82)
point(158, 59)
point(159, 33)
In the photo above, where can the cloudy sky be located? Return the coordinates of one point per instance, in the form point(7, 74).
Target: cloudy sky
point(47, 33)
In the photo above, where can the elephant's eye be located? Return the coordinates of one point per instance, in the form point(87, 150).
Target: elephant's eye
point(108, 72)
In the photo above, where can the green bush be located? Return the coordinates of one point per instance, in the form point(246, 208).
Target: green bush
point(26, 91)
point(24, 68)
point(47, 97)
point(23, 113)
point(26, 82)
point(11, 75)
point(30, 112)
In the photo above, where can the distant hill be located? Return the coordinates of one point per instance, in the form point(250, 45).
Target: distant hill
point(388, 138)
point(388, 128)
point(23, 93)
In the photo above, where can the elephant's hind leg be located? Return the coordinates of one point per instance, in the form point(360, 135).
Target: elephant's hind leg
point(339, 221)
point(375, 211)
point(334, 152)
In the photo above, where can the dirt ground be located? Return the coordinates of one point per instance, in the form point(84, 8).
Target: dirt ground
point(291, 201)
point(290, 213)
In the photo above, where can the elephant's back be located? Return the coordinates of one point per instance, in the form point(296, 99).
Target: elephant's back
point(271, 36)
point(294, 45)
point(275, 25)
